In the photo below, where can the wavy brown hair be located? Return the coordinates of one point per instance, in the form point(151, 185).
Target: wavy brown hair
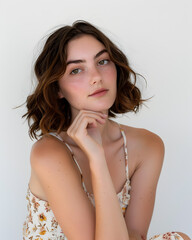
point(46, 112)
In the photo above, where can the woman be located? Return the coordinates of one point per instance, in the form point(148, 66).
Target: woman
point(91, 178)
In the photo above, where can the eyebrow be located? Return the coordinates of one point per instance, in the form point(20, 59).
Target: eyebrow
point(82, 61)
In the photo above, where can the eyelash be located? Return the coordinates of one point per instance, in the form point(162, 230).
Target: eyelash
point(104, 60)
point(72, 72)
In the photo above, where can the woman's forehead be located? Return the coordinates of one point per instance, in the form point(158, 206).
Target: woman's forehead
point(83, 46)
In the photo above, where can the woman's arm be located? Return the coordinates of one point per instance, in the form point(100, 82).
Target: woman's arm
point(110, 223)
point(59, 177)
point(144, 182)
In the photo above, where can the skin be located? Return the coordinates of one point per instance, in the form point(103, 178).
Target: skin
point(93, 73)
point(92, 132)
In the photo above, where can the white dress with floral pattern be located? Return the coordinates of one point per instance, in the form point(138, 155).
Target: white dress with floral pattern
point(41, 223)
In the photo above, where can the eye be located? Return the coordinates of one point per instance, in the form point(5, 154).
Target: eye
point(75, 71)
point(103, 62)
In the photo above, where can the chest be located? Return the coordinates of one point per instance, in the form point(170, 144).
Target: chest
point(116, 162)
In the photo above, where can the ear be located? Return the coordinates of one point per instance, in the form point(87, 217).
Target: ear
point(60, 94)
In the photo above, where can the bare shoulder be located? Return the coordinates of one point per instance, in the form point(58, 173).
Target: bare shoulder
point(146, 151)
point(45, 147)
point(144, 142)
point(50, 155)
point(49, 149)
point(55, 172)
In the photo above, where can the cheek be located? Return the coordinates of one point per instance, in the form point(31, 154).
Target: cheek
point(71, 90)
point(68, 86)
point(77, 86)
point(111, 73)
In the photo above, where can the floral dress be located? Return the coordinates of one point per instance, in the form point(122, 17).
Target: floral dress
point(40, 223)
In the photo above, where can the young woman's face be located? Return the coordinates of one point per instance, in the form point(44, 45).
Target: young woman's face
point(88, 69)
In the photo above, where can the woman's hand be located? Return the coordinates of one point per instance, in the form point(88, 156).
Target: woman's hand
point(85, 132)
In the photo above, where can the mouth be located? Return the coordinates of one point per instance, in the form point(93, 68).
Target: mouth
point(99, 92)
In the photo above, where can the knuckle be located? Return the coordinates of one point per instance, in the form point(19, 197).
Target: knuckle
point(85, 117)
point(68, 132)
point(82, 112)
point(77, 137)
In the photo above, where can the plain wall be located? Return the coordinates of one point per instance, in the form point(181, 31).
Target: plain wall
point(156, 37)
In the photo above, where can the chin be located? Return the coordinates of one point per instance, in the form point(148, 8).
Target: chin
point(99, 106)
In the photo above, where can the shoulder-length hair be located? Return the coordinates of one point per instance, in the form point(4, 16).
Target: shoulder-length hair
point(46, 112)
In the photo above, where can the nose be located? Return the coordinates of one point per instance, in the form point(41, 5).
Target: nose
point(95, 75)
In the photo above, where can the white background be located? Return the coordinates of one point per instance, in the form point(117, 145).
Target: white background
point(156, 36)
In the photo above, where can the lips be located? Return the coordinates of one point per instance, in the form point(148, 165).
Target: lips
point(98, 91)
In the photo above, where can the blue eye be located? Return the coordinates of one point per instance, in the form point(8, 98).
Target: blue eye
point(103, 62)
point(75, 71)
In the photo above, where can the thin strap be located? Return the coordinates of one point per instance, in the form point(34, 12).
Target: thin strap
point(60, 138)
point(56, 135)
point(73, 156)
point(126, 152)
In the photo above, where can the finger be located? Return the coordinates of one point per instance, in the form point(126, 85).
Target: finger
point(81, 129)
point(89, 111)
point(70, 130)
point(82, 112)
point(99, 117)
point(79, 117)
point(87, 119)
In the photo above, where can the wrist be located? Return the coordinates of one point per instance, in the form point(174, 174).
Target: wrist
point(97, 159)
point(95, 154)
